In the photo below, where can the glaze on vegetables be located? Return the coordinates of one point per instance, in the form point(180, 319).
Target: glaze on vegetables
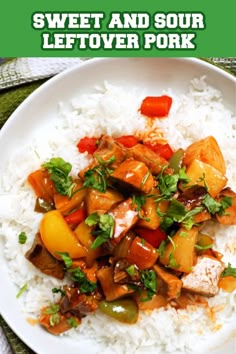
point(127, 230)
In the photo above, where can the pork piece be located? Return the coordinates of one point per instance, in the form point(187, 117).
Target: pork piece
point(39, 256)
point(62, 323)
point(135, 174)
point(174, 284)
point(112, 290)
point(192, 197)
point(122, 276)
point(77, 303)
point(99, 202)
point(151, 159)
point(125, 216)
point(107, 149)
point(230, 213)
point(204, 277)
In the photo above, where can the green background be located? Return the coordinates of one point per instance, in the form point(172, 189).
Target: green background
point(19, 38)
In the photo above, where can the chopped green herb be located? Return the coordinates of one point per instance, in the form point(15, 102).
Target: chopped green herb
point(131, 270)
point(85, 285)
point(145, 178)
point(182, 175)
point(177, 213)
point(52, 309)
point(167, 184)
point(22, 238)
point(66, 259)
point(166, 223)
point(217, 207)
point(172, 242)
point(97, 176)
point(139, 201)
point(57, 290)
point(229, 271)
point(54, 319)
point(92, 219)
point(162, 248)
point(72, 322)
point(105, 228)
point(172, 261)
point(203, 179)
point(59, 170)
point(183, 234)
point(21, 291)
point(203, 248)
point(149, 280)
point(226, 202)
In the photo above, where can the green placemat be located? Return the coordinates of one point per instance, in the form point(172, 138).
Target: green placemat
point(16, 344)
point(10, 99)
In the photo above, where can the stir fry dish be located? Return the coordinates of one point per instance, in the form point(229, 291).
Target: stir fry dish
point(126, 233)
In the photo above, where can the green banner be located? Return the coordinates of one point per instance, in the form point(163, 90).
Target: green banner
point(144, 28)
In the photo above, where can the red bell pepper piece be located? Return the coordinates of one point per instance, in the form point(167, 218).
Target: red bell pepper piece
point(154, 237)
point(158, 106)
point(76, 217)
point(163, 150)
point(127, 140)
point(87, 144)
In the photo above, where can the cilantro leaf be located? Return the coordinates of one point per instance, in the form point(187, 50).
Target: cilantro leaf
point(22, 290)
point(214, 206)
point(105, 228)
point(22, 238)
point(177, 213)
point(139, 201)
point(229, 271)
point(202, 248)
point(167, 184)
point(183, 176)
point(172, 261)
point(145, 178)
point(97, 176)
point(50, 310)
point(72, 322)
point(85, 285)
point(59, 170)
point(66, 259)
point(131, 270)
point(203, 179)
point(226, 202)
point(149, 280)
point(54, 319)
point(92, 219)
point(58, 290)
point(162, 248)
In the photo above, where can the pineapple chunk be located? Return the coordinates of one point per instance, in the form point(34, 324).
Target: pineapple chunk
point(180, 253)
point(152, 220)
point(208, 151)
point(202, 173)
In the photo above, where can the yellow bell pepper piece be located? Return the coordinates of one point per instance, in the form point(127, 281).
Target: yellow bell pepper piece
point(58, 237)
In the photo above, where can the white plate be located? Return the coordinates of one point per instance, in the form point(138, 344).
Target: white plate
point(34, 113)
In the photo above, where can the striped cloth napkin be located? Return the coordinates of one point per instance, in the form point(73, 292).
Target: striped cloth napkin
point(17, 71)
point(21, 76)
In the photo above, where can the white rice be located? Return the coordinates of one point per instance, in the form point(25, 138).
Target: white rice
point(114, 111)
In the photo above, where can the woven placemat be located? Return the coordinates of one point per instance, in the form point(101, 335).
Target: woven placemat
point(10, 99)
